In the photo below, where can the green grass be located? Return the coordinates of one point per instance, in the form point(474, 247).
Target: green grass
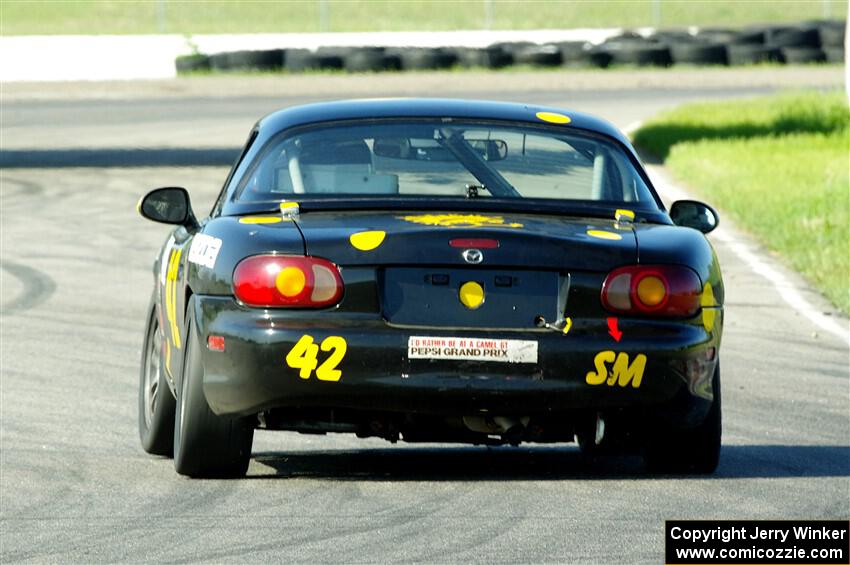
point(779, 166)
point(28, 17)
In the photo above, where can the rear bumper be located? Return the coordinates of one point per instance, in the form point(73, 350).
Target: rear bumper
point(252, 374)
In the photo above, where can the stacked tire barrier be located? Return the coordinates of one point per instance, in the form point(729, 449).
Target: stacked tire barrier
point(814, 42)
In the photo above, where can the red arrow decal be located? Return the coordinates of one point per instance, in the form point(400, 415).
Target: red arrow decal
point(612, 329)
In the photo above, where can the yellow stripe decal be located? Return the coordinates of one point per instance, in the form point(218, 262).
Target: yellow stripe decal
point(171, 296)
point(261, 220)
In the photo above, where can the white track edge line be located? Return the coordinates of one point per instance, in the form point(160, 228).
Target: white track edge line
point(783, 286)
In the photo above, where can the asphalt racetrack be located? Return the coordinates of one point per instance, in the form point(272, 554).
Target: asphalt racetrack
point(75, 485)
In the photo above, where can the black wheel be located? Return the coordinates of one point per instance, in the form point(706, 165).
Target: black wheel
point(271, 59)
point(156, 403)
point(805, 36)
point(538, 56)
point(371, 59)
point(598, 58)
point(695, 450)
point(425, 59)
point(205, 445)
point(192, 63)
point(699, 53)
point(300, 60)
point(718, 35)
point(746, 54)
point(749, 37)
point(489, 57)
point(831, 35)
point(671, 36)
point(642, 54)
point(512, 47)
point(578, 54)
point(802, 55)
point(834, 54)
point(220, 61)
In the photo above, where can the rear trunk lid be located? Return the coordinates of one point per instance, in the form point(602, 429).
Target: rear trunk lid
point(518, 266)
point(524, 241)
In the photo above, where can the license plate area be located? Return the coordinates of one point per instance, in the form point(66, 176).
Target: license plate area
point(430, 297)
point(479, 349)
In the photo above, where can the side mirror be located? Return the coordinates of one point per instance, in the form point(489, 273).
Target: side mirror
point(168, 205)
point(693, 214)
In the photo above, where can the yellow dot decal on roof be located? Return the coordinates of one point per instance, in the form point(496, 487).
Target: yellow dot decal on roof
point(367, 240)
point(471, 295)
point(260, 220)
point(602, 234)
point(553, 118)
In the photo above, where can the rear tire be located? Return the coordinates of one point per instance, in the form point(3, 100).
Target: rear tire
point(205, 445)
point(692, 451)
point(156, 403)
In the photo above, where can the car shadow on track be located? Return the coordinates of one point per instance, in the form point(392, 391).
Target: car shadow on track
point(539, 463)
point(447, 464)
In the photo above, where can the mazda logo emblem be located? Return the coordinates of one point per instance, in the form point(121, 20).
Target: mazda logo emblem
point(473, 256)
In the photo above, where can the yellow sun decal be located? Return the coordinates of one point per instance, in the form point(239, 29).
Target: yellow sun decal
point(460, 221)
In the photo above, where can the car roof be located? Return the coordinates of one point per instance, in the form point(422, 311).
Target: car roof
point(429, 107)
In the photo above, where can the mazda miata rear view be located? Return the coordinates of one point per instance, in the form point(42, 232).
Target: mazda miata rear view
point(434, 271)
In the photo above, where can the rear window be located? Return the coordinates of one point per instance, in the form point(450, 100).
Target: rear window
point(443, 158)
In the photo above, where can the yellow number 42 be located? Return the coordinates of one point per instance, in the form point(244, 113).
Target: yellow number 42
point(303, 354)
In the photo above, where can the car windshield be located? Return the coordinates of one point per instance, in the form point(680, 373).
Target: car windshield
point(446, 158)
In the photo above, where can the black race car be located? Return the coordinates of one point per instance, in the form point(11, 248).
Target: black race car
point(434, 271)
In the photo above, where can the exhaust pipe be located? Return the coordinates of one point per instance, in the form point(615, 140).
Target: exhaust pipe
point(495, 425)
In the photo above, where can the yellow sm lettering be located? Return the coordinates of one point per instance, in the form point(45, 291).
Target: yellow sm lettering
point(622, 372)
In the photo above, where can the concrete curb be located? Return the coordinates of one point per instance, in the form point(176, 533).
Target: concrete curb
point(130, 57)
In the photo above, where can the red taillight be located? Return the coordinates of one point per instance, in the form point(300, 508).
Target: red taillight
point(658, 290)
point(474, 242)
point(281, 281)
